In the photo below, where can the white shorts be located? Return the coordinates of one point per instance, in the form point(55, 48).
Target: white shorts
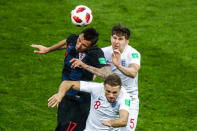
point(133, 115)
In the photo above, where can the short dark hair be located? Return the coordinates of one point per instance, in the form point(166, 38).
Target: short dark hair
point(91, 34)
point(113, 80)
point(121, 30)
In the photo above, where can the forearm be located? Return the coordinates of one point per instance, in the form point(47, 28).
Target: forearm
point(60, 45)
point(99, 72)
point(128, 71)
point(118, 123)
point(122, 121)
point(64, 87)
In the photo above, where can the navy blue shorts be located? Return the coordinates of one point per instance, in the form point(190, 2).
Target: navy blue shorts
point(73, 113)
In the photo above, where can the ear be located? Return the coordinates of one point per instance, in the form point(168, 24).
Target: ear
point(127, 41)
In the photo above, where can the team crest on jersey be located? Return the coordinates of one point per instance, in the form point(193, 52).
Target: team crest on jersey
point(123, 62)
point(81, 55)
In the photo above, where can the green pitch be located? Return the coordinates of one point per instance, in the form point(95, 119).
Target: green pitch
point(164, 31)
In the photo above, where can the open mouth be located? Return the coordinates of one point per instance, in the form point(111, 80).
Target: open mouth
point(111, 100)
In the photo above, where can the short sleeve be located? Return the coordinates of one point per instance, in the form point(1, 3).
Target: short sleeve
point(90, 87)
point(108, 51)
point(96, 58)
point(135, 58)
point(72, 39)
point(125, 102)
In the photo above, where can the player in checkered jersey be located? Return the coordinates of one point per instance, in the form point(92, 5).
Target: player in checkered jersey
point(123, 60)
point(109, 103)
point(78, 46)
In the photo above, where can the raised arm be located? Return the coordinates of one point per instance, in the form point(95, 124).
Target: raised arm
point(130, 71)
point(64, 87)
point(102, 72)
point(121, 122)
point(43, 49)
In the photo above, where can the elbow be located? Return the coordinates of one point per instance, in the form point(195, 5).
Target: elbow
point(123, 123)
point(133, 74)
point(107, 74)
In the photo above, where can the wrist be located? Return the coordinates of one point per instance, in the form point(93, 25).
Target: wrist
point(84, 65)
point(118, 66)
point(60, 94)
point(48, 49)
point(110, 123)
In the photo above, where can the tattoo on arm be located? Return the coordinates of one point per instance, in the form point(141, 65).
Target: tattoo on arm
point(99, 72)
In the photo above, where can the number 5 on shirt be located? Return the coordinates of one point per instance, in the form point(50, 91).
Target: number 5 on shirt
point(132, 124)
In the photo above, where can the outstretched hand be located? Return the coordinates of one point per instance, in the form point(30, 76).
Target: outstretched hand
point(116, 56)
point(76, 63)
point(41, 49)
point(54, 100)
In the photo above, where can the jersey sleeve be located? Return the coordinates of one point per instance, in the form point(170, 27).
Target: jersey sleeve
point(107, 52)
point(72, 39)
point(104, 49)
point(125, 102)
point(90, 87)
point(96, 58)
point(135, 58)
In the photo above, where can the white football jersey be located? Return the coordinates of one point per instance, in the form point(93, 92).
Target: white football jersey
point(100, 109)
point(129, 56)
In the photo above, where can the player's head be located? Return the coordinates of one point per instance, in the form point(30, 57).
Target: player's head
point(112, 86)
point(120, 37)
point(87, 39)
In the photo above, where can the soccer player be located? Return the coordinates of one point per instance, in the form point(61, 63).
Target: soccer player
point(109, 103)
point(74, 107)
point(125, 61)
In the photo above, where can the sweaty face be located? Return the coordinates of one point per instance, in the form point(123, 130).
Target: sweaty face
point(82, 44)
point(111, 93)
point(119, 42)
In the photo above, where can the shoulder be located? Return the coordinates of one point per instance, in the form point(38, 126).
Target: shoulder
point(107, 51)
point(123, 91)
point(124, 94)
point(132, 50)
point(95, 57)
point(96, 87)
point(108, 48)
point(90, 86)
point(124, 97)
point(72, 38)
point(96, 51)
